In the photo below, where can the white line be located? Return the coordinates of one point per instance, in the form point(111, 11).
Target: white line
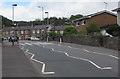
point(28, 44)
point(43, 64)
point(86, 50)
point(22, 44)
point(99, 66)
point(69, 46)
point(66, 54)
point(53, 49)
point(102, 68)
point(114, 56)
point(106, 55)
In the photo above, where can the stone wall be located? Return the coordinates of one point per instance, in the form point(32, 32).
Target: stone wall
point(107, 42)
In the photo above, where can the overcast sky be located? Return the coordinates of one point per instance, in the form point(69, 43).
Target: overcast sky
point(27, 10)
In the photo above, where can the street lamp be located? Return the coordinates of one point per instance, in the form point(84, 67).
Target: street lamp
point(47, 25)
point(13, 12)
point(47, 17)
point(13, 17)
point(42, 12)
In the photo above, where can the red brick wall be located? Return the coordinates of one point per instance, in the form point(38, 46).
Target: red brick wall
point(101, 20)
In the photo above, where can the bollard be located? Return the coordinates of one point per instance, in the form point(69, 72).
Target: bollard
point(60, 40)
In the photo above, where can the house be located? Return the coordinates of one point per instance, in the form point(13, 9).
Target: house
point(58, 29)
point(118, 13)
point(25, 31)
point(102, 19)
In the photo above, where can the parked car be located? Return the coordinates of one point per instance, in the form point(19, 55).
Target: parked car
point(34, 39)
point(28, 38)
point(13, 38)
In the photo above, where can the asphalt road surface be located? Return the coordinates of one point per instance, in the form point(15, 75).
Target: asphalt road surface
point(62, 60)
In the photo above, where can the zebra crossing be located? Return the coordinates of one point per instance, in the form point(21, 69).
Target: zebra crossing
point(34, 43)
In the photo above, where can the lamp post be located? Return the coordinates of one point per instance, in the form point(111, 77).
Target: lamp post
point(47, 17)
point(13, 14)
point(42, 12)
point(47, 25)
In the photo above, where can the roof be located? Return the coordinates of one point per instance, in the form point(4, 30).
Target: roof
point(60, 28)
point(95, 14)
point(118, 9)
point(25, 27)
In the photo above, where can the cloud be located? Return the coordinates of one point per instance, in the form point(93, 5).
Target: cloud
point(59, 9)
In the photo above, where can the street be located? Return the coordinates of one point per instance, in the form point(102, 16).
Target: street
point(68, 60)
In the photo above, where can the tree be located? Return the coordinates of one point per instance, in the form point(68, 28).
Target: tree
point(69, 30)
point(74, 17)
point(113, 29)
point(92, 27)
point(37, 22)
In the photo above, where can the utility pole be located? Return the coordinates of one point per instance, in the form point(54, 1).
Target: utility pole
point(42, 12)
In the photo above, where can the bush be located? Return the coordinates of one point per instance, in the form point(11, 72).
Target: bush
point(113, 29)
point(92, 27)
point(54, 34)
point(69, 30)
point(82, 33)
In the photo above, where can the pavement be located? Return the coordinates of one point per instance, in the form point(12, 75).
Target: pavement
point(70, 60)
point(16, 64)
point(0, 60)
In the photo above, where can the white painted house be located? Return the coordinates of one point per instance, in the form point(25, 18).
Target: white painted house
point(118, 13)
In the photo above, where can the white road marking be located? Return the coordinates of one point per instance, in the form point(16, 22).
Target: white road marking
point(43, 64)
point(69, 46)
point(102, 68)
point(53, 49)
point(86, 50)
point(28, 44)
point(106, 55)
point(114, 56)
point(22, 44)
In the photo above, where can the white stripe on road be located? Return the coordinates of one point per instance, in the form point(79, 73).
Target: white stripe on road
point(114, 56)
point(53, 49)
point(86, 50)
point(102, 68)
point(22, 44)
point(43, 64)
point(69, 46)
point(28, 44)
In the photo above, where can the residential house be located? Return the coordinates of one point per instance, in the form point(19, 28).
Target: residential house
point(118, 13)
point(58, 29)
point(102, 19)
point(25, 31)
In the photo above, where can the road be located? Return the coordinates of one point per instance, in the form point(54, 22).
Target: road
point(64, 60)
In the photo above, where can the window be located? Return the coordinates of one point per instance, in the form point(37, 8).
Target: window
point(77, 24)
point(22, 32)
point(83, 22)
point(38, 31)
point(33, 31)
point(26, 32)
point(42, 31)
